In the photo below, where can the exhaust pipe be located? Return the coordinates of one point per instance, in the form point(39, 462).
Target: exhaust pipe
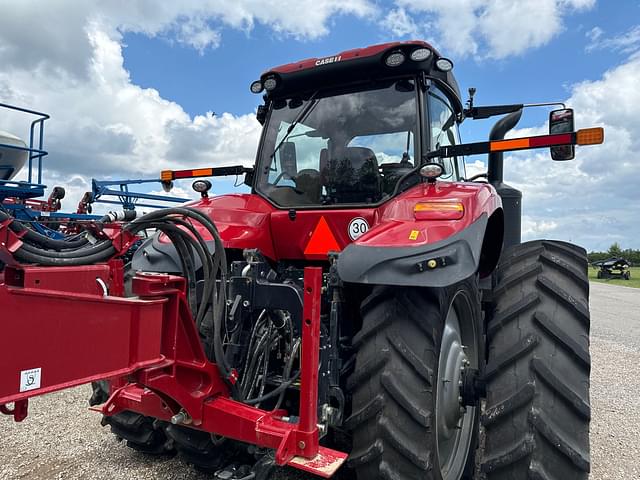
point(511, 197)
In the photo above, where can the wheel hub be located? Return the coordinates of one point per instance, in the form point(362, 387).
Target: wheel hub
point(455, 421)
point(455, 361)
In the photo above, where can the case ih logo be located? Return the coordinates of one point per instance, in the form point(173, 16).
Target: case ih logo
point(325, 61)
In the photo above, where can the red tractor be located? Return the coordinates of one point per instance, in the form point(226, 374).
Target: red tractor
point(366, 299)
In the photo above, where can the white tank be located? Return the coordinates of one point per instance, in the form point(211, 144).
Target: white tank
point(11, 159)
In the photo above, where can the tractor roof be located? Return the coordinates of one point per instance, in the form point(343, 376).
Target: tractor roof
point(356, 66)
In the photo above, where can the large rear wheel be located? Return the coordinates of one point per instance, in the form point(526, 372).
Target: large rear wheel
point(537, 414)
point(408, 417)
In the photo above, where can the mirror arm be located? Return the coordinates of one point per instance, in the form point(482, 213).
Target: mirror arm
point(478, 113)
point(587, 136)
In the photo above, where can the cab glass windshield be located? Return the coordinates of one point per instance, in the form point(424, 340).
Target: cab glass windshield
point(339, 148)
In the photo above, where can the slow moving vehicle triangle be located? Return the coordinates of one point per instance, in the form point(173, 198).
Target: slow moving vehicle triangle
point(322, 240)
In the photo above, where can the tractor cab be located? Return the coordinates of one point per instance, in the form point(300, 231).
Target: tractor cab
point(350, 130)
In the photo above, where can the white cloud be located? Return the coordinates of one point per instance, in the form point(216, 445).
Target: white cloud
point(593, 200)
point(104, 125)
point(627, 42)
point(475, 168)
point(399, 23)
point(493, 28)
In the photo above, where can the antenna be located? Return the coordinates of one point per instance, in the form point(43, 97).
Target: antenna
point(472, 92)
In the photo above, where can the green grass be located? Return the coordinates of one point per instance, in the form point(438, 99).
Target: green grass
point(634, 281)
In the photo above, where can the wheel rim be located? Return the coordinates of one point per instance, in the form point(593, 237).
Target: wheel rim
point(454, 423)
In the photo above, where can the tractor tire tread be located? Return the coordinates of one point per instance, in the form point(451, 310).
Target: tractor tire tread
point(537, 411)
point(391, 387)
point(139, 432)
point(389, 416)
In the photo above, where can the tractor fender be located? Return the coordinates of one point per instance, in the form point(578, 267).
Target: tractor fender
point(436, 264)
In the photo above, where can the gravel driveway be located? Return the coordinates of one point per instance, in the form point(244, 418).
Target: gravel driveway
point(62, 439)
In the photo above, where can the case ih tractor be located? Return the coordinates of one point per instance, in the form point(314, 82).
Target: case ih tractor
point(365, 300)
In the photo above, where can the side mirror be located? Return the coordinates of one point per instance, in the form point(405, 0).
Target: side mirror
point(288, 158)
point(561, 121)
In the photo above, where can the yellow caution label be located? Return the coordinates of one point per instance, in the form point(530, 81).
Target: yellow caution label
point(414, 234)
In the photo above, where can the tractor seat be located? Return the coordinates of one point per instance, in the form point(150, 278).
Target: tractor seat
point(351, 175)
point(308, 182)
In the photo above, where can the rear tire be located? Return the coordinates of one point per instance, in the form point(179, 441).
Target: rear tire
point(537, 412)
point(395, 385)
point(141, 433)
point(196, 448)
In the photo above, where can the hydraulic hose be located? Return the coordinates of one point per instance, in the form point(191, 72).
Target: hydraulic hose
point(39, 239)
point(177, 224)
point(29, 257)
point(80, 252)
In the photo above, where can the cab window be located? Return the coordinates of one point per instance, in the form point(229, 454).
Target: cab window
point(444, 131)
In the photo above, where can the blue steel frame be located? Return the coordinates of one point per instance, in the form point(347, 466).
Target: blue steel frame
point(129, 200)
point(33, 189)
point(28, 189)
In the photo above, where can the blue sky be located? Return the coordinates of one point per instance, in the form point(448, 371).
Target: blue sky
point(129, 85)
point(218, 79)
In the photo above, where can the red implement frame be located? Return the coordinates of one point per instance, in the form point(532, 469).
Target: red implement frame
point(58, 320)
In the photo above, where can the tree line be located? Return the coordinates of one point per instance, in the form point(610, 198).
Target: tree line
point(615, 250)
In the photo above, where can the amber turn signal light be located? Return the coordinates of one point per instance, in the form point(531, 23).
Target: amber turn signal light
point(590, 136)
point(438, 210)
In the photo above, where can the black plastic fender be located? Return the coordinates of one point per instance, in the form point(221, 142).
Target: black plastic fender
point(439, 264)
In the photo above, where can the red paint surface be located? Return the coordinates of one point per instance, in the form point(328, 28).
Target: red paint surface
point(347, 55)
point(76, 338)
point(249, 221)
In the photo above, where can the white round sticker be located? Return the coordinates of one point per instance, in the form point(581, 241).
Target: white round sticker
point(358, 226)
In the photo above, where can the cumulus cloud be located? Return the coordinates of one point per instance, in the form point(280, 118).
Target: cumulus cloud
point(399, 23)
point(492, 28)
point(593, 200)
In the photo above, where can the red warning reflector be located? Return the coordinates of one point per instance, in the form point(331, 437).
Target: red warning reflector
point(322, 240)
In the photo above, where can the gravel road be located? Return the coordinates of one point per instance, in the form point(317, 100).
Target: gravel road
point(62, 439)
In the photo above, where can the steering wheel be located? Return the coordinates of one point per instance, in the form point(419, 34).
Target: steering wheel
point(281, 176)
point(475, 177)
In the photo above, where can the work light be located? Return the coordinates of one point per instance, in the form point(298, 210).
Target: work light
point(431, 171)
point(444, 64)
point(256, 87)
point(202, 187)
point(270, 83)
point(395, 59)
point(420, 54)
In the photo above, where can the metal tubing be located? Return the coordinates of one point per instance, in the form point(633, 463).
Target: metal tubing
point(496, 159)
point(310, 349)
